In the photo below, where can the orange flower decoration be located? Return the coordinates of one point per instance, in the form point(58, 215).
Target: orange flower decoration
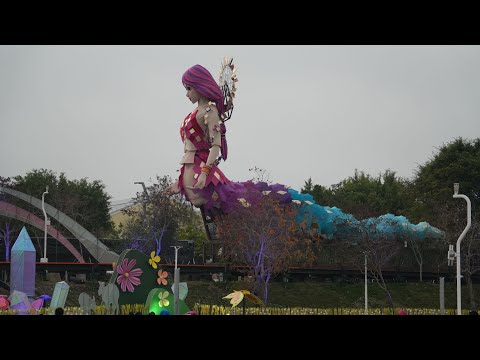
point(162, 277)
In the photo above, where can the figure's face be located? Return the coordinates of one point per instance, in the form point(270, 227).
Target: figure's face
point(192, 94)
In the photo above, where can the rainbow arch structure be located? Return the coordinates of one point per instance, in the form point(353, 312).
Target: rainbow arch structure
point(95, 247)
point(17, 213)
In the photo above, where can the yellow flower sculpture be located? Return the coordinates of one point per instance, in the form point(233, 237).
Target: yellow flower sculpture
point(163, 299)
point(154, 259)
point(237, 296)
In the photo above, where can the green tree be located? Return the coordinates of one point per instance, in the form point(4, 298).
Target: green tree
point(457, 161)
point(192, 228)
point(84, 201)
point(365, 196)
point(321, 194)
point(308, 188)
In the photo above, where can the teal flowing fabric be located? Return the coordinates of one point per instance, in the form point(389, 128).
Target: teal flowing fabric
point(332, 221)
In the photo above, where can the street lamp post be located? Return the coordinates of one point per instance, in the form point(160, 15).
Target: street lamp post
point(145, 219)
point(146, 195)
point(47, 222)
point(143, 185)
point(456, 187)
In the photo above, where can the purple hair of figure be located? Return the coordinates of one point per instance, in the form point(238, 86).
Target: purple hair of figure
point(203, 82)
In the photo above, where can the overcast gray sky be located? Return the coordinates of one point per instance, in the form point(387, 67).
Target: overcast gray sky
point(112, 113)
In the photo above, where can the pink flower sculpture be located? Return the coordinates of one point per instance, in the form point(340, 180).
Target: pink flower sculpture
point(128, 277)
point(37, 304)
point(4, 303)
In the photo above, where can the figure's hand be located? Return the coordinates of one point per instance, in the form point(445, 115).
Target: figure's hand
point(201, 181)
point(172, 189)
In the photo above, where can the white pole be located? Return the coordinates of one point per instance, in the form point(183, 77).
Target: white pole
point(456, 187)
point(366, 288)
point(45, 259)
point(176, 292)
point(442, 295)
point(176, 284)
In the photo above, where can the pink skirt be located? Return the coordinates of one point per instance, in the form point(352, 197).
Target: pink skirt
point(215, 180)
point(223, 194)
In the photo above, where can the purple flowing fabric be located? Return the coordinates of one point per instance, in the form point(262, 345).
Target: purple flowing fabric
point(228, 196)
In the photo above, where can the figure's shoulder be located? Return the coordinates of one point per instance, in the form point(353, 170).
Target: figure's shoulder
point(190, 115)
point(207, 115)
point(193, 113)
point(213, 107)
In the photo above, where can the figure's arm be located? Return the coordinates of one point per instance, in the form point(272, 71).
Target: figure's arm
point(172, 189)
point(214, 152)
point(213, 134)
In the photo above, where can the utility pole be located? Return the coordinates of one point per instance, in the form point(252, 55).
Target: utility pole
point(145, 219)
point(146, 195)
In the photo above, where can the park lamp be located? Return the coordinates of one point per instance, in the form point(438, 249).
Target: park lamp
point(451, 255)
point(456, 195)
point(451, 252)
point(47, 223)
point(143, 186)
point(456, 188)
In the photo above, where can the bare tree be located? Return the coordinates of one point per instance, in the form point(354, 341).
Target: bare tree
point(379, 247)
point(7, 231)
point(453, 219)
point(260, 175)
point(154, 219)
point(415, 245)
point(263, 237)
point(6, 236)
point(471, 259)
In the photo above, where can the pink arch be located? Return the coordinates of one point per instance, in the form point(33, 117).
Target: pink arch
point(15, 212)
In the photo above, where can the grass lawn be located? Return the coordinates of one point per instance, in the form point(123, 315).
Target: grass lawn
point(302, 294)
point(327, 295)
